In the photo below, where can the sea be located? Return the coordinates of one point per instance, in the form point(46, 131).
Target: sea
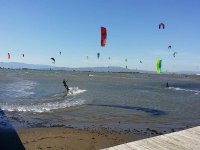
point(118, 101)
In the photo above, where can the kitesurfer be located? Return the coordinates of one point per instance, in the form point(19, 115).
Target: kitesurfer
point(167, 84)
point(65, 84)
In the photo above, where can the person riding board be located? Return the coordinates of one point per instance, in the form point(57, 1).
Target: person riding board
point(65, 84)
point(167, 84)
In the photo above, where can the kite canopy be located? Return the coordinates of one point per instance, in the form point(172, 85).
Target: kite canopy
point(22, 55)
point(53, 60)
point(169, 47)
point(8, 55)
point(60, 53)
point(158, 66)
point(161, 25)
point(98, 55)
point(174, 54)
point(103, 36)
point(126, 60)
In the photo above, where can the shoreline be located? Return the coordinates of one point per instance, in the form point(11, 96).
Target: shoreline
point(43, 138)
point(71, 138)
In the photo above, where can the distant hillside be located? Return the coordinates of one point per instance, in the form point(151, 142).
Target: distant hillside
point(105, 69)
point(16, 65)
point(189, 72)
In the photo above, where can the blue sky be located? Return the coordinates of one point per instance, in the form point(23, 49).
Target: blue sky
point(42, 28)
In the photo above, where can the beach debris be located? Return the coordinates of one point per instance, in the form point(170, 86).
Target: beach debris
point(173, 130)
point(161, 25)
point(53, 60)
point(152, 131)
point(103, 36)
point(158, 66)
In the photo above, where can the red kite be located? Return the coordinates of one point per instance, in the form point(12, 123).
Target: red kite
point(103, 36)
point(8, 55)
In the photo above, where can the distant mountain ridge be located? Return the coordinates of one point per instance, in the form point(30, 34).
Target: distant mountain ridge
point(17, 65)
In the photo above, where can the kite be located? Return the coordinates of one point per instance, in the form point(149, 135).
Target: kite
point(103, 36)
point(161, 25)
point(174, 54)
point(53, 60)
point(98, 55)
point(158, 66)
point(8, 55)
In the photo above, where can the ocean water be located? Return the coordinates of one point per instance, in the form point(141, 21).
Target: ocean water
point(121, 101)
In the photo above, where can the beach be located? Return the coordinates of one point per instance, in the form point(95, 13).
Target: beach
point(68, 138)
point(88, 75)
point(58, 138)
point(99, 111)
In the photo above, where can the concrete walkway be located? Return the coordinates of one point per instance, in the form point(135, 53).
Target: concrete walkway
point(188, 139)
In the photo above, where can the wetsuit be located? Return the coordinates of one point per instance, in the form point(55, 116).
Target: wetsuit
point(65, 85)
point(167, 85)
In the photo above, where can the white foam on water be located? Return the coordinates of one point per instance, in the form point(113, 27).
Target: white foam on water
point(90, 75)
point(186, 90)
point(44, 107)
point(57, 101)
point(20, 88)
point(75, 91)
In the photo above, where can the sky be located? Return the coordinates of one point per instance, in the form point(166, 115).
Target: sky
point(39, 29)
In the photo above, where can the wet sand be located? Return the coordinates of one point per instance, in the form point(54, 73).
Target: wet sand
point(70, 138)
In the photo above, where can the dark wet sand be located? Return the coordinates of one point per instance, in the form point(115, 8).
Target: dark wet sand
point(70, 138)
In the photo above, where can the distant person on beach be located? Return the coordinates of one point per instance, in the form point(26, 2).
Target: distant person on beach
point(65, 84)
point(167, 84)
